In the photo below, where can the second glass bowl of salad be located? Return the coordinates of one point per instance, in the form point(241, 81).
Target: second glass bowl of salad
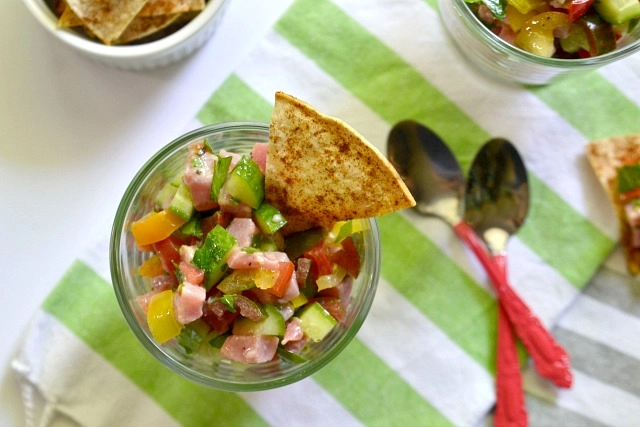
point(504, 61)
point(201, 360)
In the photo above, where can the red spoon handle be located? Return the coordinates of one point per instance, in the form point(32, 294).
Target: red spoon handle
point(510, 405)
point(550, 359)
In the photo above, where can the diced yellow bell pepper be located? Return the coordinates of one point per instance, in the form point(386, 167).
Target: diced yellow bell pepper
point(263, 278)
point(155, 226)
point(537, 36)
point(526, 6)
point(161, 318)
point(516, 19)
point(151, 267)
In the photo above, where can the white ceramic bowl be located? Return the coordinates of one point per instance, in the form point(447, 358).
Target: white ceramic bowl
point(162, 52)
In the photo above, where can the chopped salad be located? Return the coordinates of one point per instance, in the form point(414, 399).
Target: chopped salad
point(567, 29)
point(224, 278)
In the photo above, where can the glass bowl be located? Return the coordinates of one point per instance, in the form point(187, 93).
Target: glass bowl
point(154, 54)
point(210, 369)
point(508, 63)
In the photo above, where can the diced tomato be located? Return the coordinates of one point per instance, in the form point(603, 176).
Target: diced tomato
point(577, 8)
point(333, 306)
point(169, 256)
point(218, 218)
point(348, 257)
point(220, 324)
point(191, 273)
point(630, 195)
point(321, 262)
point(284, 273)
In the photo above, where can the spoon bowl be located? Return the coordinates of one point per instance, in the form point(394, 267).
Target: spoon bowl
point(428, 168)
point(497, 195)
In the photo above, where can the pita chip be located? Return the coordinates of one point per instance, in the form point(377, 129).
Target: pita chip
point(320, 170)
point(606, 157)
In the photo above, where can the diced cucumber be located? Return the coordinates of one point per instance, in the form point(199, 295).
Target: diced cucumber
point(182, 203)
point(246, 183)
point(219, 176)
point(291, 357)
point(216, 342)
point(167, 192)
point(212, 256)
point(265, 243)
point(268, 218)
point(316, 322)
point(272, 324)
point(192, 227)
point(617, 11)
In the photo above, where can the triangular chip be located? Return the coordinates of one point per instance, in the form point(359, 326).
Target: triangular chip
point(320, 170)
point(143, 26)
point(68, 19)
point(107, 19)
point(606, 157)
point(170, 7)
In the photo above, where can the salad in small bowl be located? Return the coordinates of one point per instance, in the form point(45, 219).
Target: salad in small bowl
point(542, 41)
point(228, 282)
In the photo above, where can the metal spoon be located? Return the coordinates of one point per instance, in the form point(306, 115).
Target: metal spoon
point(435, 179)
point(496, 203)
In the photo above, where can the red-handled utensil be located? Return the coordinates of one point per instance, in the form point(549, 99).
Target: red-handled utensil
point(435, 179)
point(496, 204)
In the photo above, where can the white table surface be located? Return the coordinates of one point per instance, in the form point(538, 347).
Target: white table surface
point(73, 133)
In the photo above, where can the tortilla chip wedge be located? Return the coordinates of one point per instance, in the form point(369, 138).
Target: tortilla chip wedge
point(606, 156)
point(107, 19)
point(320, 170)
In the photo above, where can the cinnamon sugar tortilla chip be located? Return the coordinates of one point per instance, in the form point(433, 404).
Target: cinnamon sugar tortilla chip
point(143, 26)
point(170, 7)
point(606, 156)
point(107, 19)
point(68, 19)
point(320, 170)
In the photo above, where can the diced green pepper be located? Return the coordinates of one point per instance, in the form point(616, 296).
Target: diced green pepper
point(192, 335)
point(246, 183)
point(219, 176)
point(182, 204)
point(268, 218)
point(212, 256)
point(628, 178)
point(296, 244)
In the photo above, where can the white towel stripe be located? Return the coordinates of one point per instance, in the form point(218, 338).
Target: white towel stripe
point(604, 324)
point(284, 407)
point(395, 327)
point(590, 398)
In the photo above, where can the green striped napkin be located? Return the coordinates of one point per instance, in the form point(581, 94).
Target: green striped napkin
point(426, 354)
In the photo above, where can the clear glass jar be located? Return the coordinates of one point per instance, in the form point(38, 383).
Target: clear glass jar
point(210, 369)
point(508, 63)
